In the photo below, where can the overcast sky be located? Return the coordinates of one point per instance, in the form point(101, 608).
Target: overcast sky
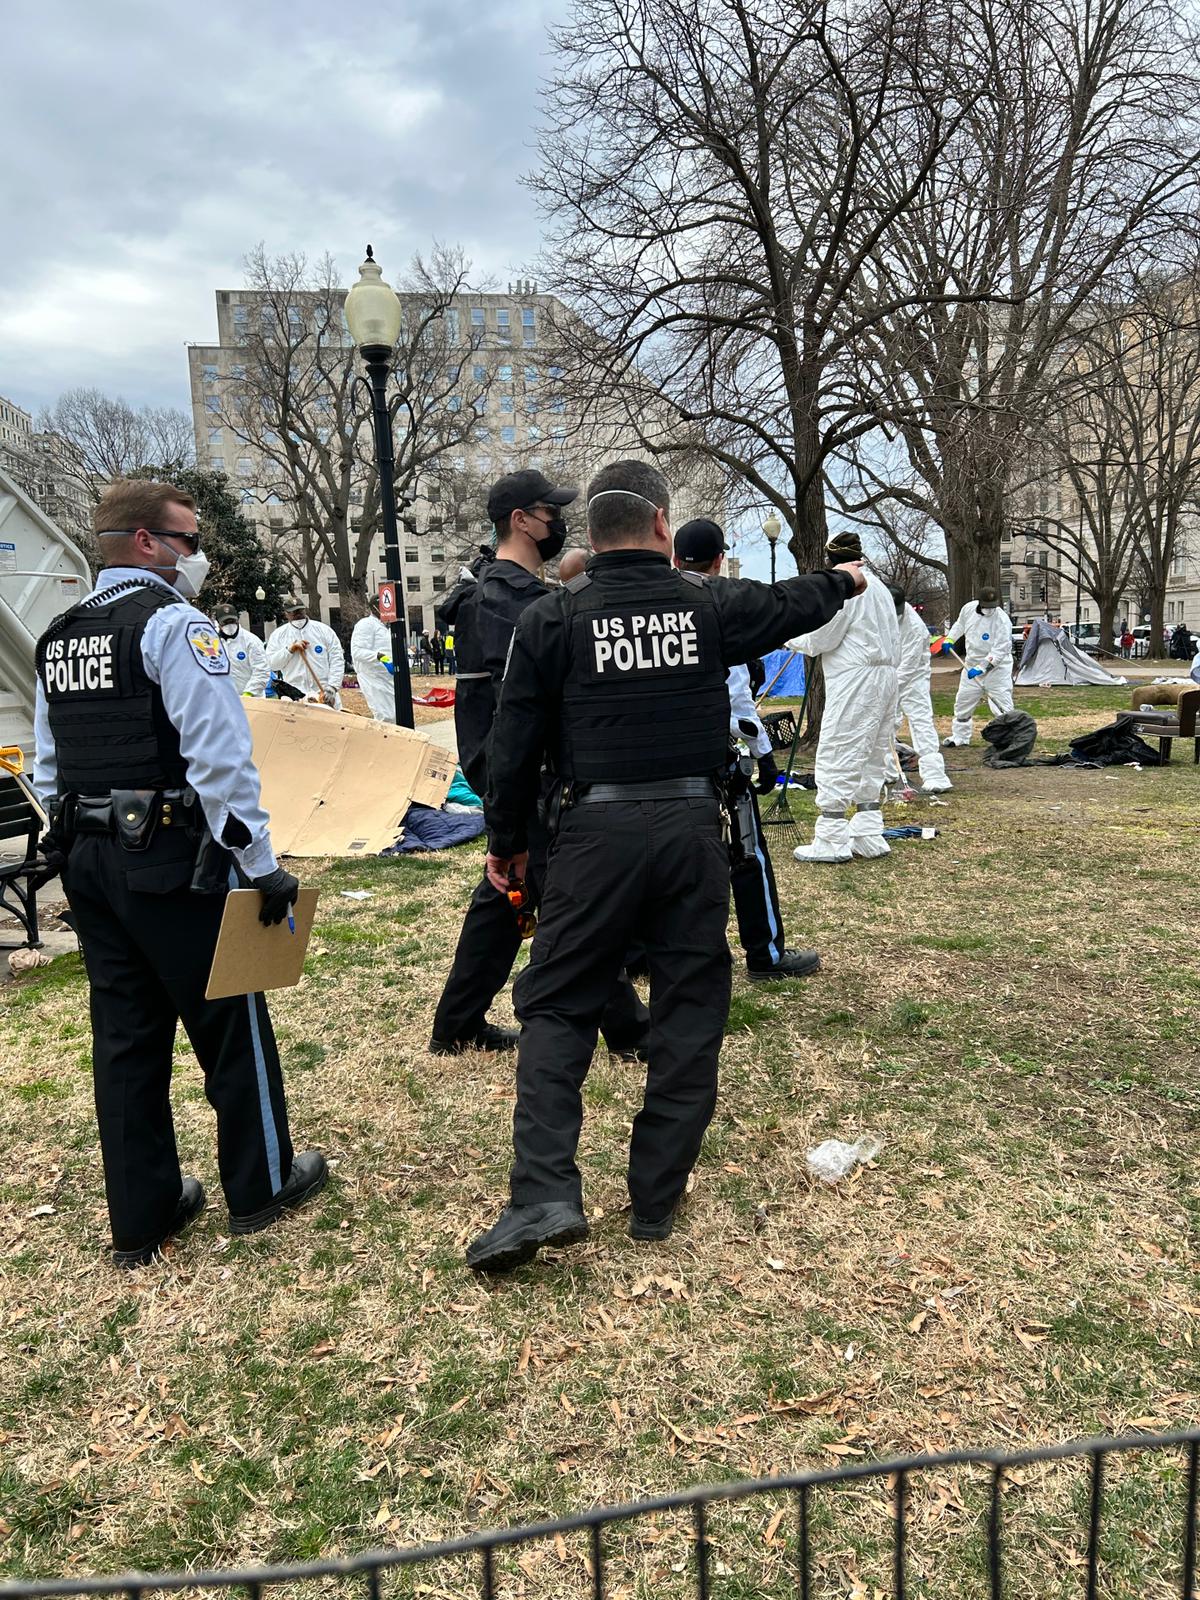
point(149, 146)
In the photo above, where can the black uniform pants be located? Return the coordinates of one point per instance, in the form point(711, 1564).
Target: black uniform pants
point(488, 946)
point(655, 871)
point(756, 899)
point(147, 943)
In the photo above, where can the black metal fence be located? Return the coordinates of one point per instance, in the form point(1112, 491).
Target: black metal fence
point(1002, 1565)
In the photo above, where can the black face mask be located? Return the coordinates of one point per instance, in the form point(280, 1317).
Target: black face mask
point(555, 537)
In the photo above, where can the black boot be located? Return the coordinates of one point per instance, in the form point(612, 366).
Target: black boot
point(306, 1179)
point(639, 1228)
point(191, 1203)
point(522, 1231)
point(489, 1037)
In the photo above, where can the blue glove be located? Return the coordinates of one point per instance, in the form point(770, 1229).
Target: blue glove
point(974, 672)
point(386, 661)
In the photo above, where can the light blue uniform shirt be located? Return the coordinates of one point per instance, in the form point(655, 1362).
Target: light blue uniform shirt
point(742, 709)
point(183, 654)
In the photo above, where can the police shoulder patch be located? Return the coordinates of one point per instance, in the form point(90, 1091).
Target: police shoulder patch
point(206, 646)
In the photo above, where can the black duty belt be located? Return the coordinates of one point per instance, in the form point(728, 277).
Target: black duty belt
point(142, 809)
point(654, 789)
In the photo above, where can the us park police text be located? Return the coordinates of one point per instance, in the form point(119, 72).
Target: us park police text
point(654, 639)
point(82, 663)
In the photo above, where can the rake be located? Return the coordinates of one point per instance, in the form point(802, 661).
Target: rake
point(778, 814)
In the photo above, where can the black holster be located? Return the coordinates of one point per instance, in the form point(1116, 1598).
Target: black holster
point(737, 800)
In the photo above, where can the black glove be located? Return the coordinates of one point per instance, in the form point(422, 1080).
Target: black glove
point(768, 774)
point(279, 890)
point(49, 866)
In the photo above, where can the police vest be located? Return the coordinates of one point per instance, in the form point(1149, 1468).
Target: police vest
point(110, 728)
point(644, 695)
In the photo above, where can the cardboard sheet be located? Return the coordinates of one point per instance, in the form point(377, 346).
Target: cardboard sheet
point(339, 785)
point(251, 957)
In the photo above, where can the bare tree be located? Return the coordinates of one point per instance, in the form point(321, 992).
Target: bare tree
point(108, 439)
point(713, 170)
point(1078, 148)
point(294, 399)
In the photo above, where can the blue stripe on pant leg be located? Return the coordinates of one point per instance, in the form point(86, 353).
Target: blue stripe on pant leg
point(776, 940)
point(266, 1110)
point(270, 1133)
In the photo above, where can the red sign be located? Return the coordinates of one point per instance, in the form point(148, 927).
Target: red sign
point(387, 603)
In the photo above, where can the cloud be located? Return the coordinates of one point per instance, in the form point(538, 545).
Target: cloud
point(150, 146)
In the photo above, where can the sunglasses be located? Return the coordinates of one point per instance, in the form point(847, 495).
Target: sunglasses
point(518, 899)
point(192, 540)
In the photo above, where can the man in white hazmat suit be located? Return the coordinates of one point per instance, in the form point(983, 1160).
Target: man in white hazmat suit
point(300, 645)
point(859, 650)
point(247, 657)
point(986, 635)
point(371, 657)
point(914, 703)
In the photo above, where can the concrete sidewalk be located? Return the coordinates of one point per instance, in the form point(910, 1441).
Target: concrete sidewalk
point(56, 940)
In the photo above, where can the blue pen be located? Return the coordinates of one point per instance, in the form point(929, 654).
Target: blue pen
point(291, 921)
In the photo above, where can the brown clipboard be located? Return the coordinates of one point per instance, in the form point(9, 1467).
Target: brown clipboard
point(250, 956)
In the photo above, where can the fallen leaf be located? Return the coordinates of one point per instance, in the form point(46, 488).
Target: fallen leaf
point(566, 1405)
point(198, 1471)
point(918, 1322)
point(526, 1352)
point(773, 1526)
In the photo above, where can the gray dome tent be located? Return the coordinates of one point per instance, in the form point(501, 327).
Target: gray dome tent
point(1052, 656)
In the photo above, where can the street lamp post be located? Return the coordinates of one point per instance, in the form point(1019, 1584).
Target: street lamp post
point(260, 594)
point(772, 527)
point(373, 316)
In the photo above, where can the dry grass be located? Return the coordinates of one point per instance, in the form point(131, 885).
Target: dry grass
point(1011, 1008)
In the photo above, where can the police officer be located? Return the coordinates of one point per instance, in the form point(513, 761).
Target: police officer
point(526, 511)
point(247, 657)
point(144, 762)
point(621, 674)
point(700, 547)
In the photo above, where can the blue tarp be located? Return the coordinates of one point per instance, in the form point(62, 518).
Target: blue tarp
point(790, 683)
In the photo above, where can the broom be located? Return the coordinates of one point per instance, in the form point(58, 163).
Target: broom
point(778, 814)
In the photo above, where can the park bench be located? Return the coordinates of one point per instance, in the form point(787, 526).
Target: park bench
point(21, 822)
point(1168, 723)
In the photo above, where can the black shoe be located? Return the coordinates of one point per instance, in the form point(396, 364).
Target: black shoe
point(522, 1231)
point(791, 964)
point(632, 1053)
point(307, 1178)
point(639, 1228)
point(192, 1201)
point(489, 1037)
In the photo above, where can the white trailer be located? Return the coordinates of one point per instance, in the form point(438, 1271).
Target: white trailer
point(42, 573)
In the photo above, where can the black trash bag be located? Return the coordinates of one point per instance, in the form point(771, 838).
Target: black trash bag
point(1114, 746)
point(1011, 736)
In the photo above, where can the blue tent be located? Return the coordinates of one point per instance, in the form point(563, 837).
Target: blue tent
point(790, 683)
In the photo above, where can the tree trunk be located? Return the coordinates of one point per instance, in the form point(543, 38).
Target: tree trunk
point(974, 564)
point(1158, 610)
point(1108, 621)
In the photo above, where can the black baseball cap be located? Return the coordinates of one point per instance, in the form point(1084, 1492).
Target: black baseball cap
point(225, 613)
point(699, 542)
point(517, 491)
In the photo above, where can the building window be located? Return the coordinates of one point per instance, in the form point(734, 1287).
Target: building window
point(531, 376)
point(504, 373)
point(557, 372)
point(452, 324)
point(217, 463)
point(214, 437)
point(483, 434)
point(412, 554)
point(454, 403)
point(502, 318)
point(479, 374)
point(238, 371)
point(210, 372)
point(333, 587)
point(535, 435)
point(506, 402)
point(245, 467)
point(558, 407)
point(477, 316)
point(437, 555)
point(527, 316)
point(412, 585)
point(439, 584)
point(212, 405)
point(508, 436)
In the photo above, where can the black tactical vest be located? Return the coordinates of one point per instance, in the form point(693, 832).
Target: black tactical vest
point(110, 729)
point(644, 695)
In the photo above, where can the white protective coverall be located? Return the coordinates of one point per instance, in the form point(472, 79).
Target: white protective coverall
point(247, 661)
point(916, 666)
point(370, 640)
point(859, 649)
point(324, 655)
point(987, 644)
